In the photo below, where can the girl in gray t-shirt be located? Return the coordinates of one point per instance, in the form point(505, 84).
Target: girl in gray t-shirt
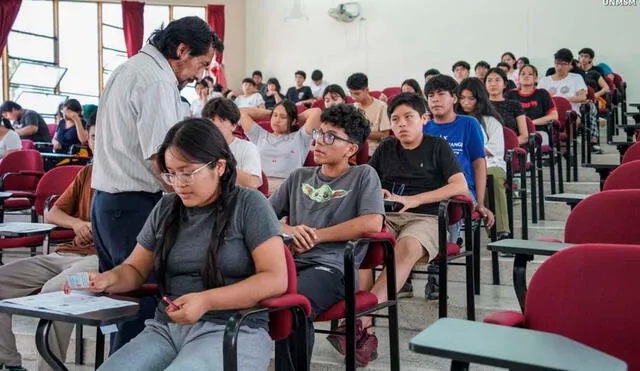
point(214, 248)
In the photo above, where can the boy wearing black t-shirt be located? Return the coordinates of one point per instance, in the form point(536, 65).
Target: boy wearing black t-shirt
point(300, 94)
point(417, 171)
point(594, 75)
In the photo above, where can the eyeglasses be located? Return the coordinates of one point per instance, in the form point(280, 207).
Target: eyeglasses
point(561, 63)
point(468, 99)
point(327, 138)
point(183, 178)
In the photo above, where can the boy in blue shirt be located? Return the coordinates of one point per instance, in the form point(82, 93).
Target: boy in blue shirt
point(464, 135)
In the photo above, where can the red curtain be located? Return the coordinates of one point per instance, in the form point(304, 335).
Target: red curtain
point(215, 18)
point(8, 13)
point(133, 26)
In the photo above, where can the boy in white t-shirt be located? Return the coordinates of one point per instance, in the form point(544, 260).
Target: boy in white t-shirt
point(9, 139)
point(563, 83)
point(225, 115)
point(318, 84)
point(250, 96)
point(572, 87)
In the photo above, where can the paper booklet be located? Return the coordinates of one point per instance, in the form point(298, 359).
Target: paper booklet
point(74, 303)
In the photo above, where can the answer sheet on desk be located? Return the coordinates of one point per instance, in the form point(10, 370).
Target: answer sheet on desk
point(74, 303)
point(16, 227)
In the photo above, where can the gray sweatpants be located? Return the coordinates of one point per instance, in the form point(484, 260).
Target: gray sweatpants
point(21, 278)
point(197, 347)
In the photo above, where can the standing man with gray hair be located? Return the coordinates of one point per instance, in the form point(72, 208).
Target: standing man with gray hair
point(140, 103)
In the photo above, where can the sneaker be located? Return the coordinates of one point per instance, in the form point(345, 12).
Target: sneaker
point(366, 349)
point(432, 288)
point(595, 149)
point(406, 291)
point(502, 236)
point(339, 341)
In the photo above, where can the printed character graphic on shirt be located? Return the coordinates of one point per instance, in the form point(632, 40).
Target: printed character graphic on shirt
point(323, 193)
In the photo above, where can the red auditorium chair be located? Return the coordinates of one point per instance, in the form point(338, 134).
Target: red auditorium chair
point(309, 162)
point(27, 144)
point(564, 131)
point(515, 156)
point(52, 184)
point(238, 132)
point(587, 293)
point(349, 99)
point(621, 87)
point(632, 154)
point(52, 129)
point(318, 104)
point(517, 163)
point(266, 125)
point(604, 217)
point(391, 92)
point(20, 172)
point(625, 176)
point(449, 213)
point(537, 189)
point(360, 303)
point(375, 93)
point(286, 313)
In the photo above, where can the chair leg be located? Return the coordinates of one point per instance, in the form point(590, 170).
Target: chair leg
point(534, 190)
point(442, 297)
point(350, 313)
point(583, 146)
point(476, 259)
point(540, 184)
point(552, 169)
point(523, 201)
point(79, 345)
point(575, 160)
point(301, 334)
point(99, 348)
point(394, 337)
point(560, 181)
point(510, 197)
point(469, 267)
point(493, 235)
point(570, 142)
point(495, 268)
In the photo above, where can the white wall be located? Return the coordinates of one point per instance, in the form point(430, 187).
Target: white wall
point(400, 39)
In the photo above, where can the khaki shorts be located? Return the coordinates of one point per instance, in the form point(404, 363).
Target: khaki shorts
point(422, 227)
point(274, 184)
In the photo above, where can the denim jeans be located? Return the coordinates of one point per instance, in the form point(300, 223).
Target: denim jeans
point(116, 220)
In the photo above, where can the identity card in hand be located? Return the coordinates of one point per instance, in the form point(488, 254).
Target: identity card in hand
point(78, 280)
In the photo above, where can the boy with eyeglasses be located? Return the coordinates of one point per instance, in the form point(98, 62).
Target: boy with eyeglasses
point(328, 205)
point(564, 83)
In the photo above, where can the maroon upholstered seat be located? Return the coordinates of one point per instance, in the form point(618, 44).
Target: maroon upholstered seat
point(587, 293)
